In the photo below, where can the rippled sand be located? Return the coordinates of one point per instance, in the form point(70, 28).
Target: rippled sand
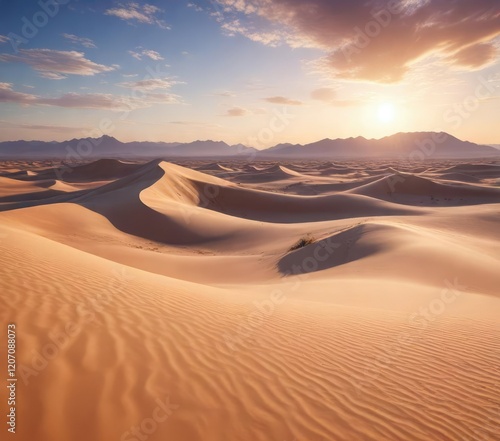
point(230, 301)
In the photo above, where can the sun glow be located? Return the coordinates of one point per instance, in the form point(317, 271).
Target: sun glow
point(386, 112)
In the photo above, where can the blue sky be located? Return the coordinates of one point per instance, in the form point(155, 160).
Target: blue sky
point(180, 71)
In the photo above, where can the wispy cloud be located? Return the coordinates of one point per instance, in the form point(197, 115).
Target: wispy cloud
point(151, 84)
point(236, 111)
point(160, 98)
point(3, 39)
point(235, 27)
point(136, 55)
point(105, 101)
point(48, 128)
point(85, 42)
point(194, 6)
point(153, 55)
point(474, 56)
point(88, 101)
point(57, 62)
point(101, 101)
point(329, 95)
point(7, 95)
point(146, 53)
point(283, 100)
point(134, 12)
point(52, 76)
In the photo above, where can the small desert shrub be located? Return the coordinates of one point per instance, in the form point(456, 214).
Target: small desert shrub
point(302, 242)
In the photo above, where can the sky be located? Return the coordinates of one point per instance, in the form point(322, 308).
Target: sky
point(256, 72)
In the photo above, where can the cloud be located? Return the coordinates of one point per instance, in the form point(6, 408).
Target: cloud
point(234, 27)
point(101, 101)
point(57, 62)
point(3, 39)
point(133, 12)
point(283, 100)
point(7, 95)
point(194, 6)
point(160, 98)
point(151, 84)
point(147, 53)
point(136, 55)
point(329, 95)
point(236, 111)
point(85, 42)
point(49, 128)
point(153, 55)
point(105, 101)
point(475, 56)
point(52, 76)
point(88, 101)
point(374, 40)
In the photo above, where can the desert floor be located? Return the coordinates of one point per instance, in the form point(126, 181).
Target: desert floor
point(252, 301)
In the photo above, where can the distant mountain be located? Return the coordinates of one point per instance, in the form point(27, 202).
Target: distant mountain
point(209, 148)
point(418, 145)
point(413, 146)
point(109, 147)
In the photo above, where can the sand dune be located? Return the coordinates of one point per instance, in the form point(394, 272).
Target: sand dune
point(257, 302)
point(102, 169)
point(269, 174)
point(393, 250)
point(10, 186)
point(475, 168)
point(214, 166)
point(337, 171)
point(412, 189)
point(13, 190)
point(459, 177)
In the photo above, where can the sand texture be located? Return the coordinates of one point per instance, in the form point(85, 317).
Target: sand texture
point(206, 301)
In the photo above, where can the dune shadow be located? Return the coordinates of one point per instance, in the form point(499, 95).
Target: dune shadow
point(32, 196)
point(333, 251)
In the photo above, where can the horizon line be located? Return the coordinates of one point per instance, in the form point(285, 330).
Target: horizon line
point(248, 146)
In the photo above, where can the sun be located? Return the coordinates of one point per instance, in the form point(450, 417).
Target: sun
point(386, 112)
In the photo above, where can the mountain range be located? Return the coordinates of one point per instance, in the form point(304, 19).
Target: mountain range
point(413, 146)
